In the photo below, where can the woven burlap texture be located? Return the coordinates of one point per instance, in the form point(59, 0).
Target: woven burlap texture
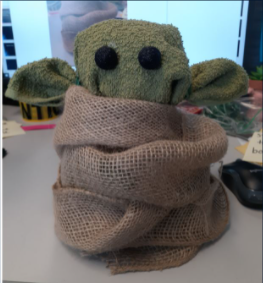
point(134, 186)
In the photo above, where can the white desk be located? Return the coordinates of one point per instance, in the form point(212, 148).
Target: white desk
point(32, 253)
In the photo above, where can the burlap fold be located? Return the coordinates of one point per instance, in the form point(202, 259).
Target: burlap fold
point(134, 186)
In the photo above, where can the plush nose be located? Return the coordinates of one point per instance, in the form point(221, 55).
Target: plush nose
point(150, 58)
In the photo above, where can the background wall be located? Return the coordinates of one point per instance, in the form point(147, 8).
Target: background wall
point(31, 30)
point(210, 29)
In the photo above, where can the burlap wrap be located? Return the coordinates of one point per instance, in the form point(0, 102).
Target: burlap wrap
point(134, 186)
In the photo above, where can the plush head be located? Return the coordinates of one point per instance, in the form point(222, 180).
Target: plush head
point(130, 59)
point(131, 42)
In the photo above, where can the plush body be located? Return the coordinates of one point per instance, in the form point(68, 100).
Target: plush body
point(134, 185)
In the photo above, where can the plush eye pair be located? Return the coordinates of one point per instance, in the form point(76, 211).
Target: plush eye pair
point(149, 58)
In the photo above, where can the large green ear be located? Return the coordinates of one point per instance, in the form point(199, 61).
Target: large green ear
point(216, 82)
point(42, 82)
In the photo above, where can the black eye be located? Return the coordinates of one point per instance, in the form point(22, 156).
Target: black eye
point(106, 58)
point(150, 58)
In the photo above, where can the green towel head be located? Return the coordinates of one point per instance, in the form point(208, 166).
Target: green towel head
point(134, 60)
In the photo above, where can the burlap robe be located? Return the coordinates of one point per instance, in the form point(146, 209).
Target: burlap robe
point(134, 185)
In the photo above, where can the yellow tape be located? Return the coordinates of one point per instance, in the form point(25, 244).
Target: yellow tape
point(31, 113)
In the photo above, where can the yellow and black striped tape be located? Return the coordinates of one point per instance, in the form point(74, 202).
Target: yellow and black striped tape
point(33, 113)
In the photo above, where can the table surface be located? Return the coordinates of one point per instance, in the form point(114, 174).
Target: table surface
point(32, 253)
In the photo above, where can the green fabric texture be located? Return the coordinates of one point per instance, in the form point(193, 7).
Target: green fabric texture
point(41, 83)
point(211, 82)
point(129, 79)
point(217, 81)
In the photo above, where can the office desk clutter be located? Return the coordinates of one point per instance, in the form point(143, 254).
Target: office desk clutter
point(244, 179)
point(11, 128)
point(241, 117)
point(4, 153)
point(134, 187)
point(34, 113)
point(252, 150)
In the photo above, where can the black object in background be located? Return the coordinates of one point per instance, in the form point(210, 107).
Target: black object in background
point(9, 49)
point(244, 179)
point(4, 152)
point(6, 100)
point(253, 36)
point(6, 16)
point(8, 33)
point(11, 64)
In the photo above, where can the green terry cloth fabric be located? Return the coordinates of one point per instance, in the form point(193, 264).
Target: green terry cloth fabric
point(167, 84)
point(217, 81)
point(41, 83)
point(211, 82)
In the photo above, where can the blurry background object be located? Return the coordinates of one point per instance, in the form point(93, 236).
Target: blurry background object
point(6, 15)
point(253, 58)
point(79, 15)
point(255, 91)
point(256, 99)
point(53, 6)
point(4, 152)
point(255, 77)
point(241, 117)
point(254, 37)
point(8, 33)
point(122, 9)
point(67, 18)
point(188, 107)
point(244, 179)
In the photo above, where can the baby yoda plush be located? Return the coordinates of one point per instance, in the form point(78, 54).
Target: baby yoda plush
point(135, 60)
point(134, 187)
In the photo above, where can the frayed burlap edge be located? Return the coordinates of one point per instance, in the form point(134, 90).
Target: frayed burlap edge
point(132, 260)
point(147, 258)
